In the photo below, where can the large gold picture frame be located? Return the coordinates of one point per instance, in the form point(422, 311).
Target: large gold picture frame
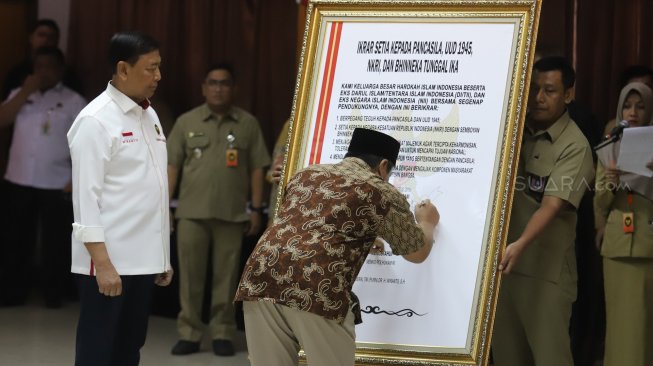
point(402, 40)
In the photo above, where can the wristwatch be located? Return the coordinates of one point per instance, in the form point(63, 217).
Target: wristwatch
point(255, 209)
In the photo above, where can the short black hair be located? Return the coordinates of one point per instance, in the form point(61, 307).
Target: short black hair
point(47, 23)
point(557, 63)
point(635, 71)
point(128, 47)
point(55, 52)
point(227, 66)
point(370, 159)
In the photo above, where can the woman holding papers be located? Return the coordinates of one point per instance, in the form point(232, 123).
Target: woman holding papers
point(623, 206)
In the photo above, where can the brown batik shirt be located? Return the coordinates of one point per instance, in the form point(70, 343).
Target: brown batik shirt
point(327, 222)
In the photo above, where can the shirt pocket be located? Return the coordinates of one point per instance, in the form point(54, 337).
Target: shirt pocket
point(197, 141)
point(537, 177)
point(196, 146)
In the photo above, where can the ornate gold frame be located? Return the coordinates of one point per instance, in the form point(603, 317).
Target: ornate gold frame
point(526, 13)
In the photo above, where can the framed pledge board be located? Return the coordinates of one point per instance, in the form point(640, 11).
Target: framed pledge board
point(448, 79)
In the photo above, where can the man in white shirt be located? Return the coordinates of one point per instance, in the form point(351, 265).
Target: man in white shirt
point(121, 234)
point(38, 179)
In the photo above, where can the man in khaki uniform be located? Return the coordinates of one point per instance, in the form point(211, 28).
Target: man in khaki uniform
point(222, 153)
point(539, 286)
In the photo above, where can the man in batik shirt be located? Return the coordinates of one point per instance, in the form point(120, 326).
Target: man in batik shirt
point(297, 283)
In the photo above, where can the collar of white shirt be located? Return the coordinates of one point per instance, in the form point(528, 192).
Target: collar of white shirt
point(124, 102)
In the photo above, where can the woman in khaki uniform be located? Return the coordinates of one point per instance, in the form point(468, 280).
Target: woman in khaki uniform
point(623, 206)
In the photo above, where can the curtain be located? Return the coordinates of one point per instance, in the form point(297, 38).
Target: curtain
point(257, 36)
point(600, 37)
point(612, 35)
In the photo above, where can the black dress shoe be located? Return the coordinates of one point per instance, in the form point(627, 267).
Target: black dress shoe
point(223, 347)
point(185, 348)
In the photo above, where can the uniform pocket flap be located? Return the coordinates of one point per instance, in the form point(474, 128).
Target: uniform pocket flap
point(197, 141)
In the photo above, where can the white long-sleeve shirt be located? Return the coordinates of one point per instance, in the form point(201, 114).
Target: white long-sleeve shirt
point(120, 186)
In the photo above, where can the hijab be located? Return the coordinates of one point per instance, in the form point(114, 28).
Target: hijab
point(637, 183)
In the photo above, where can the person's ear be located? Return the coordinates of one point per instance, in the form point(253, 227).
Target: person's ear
point(384, 169)
point(203, 87)
point(570, 94)
point(122, 69)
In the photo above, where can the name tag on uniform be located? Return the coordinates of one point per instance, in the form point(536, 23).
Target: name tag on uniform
point(232, 158)
point(231, 153)
point(629, 222)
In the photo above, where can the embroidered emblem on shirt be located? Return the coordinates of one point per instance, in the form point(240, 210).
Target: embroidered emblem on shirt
point(159, 135)
point(535, 183)
point(537, 186)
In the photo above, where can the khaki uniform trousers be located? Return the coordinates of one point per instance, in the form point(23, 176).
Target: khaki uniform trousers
point(196, 239)
point(275, 334)
point(531, 326)
point(629, 311)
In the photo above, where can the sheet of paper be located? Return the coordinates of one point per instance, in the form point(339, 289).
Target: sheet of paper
point(636, 150)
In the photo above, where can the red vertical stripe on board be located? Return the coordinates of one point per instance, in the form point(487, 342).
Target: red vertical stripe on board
point(325, 93)
point(92, 271)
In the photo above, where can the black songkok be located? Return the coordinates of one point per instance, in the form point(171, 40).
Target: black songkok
point(364, 141)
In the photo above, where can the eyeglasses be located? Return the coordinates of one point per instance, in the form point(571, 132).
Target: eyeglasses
point(212, 83)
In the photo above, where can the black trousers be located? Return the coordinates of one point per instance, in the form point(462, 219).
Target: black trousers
point(112, 330)
point(29, 210)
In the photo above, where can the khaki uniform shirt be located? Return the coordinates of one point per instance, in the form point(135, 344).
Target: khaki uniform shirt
point(609, 209)
point(554, 162)
point(197, 146)
point(327, 222)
